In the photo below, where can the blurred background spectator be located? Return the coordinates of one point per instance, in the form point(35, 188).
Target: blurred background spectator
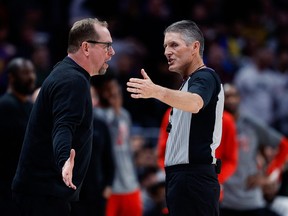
point(37, 30)
point(246, 43)
point(15, 108)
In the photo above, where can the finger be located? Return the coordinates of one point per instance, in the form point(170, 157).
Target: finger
point(133, 90)
point(69, 183)
point(72, 154)
point(132, 84)
point(129, 89)
point(136, 96)
point(144, 74)
point(72, 186)
point(135, 80)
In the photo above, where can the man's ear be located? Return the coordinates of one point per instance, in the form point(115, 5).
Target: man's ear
point(85, 48)
point(196, 45)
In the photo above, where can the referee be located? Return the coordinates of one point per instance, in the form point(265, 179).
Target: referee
point(195, 123)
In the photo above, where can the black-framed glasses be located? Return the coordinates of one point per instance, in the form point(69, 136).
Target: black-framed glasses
point(108, 44)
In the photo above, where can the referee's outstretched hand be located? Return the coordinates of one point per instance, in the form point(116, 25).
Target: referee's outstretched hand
point(141, 88)
point(67, 170)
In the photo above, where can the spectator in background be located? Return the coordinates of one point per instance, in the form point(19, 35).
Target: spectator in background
point(243, 194)
point(15, 108)
point(274, 194)
point(49, 174)
point(152, 181)
point(257, 84)
point(97, 185)
point(218, 58)
point(281, 111)
point(41, 59)
point(227, 150)
point(126, 194)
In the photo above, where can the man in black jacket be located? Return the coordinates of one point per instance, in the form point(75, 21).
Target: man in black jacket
point(57, 145)
point(15, 108)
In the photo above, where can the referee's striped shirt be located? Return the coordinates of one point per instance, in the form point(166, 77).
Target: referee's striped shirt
point(194, 138)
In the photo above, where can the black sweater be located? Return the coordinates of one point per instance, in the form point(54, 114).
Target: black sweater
point(61, 119)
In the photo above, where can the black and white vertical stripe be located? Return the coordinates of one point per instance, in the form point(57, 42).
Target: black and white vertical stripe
point(194, 138)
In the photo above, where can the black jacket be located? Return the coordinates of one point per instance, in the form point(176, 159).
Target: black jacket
point(61, 119)
point(14, 115)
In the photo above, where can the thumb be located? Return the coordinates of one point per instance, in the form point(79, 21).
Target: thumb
point(144, 74)
point(72, 154)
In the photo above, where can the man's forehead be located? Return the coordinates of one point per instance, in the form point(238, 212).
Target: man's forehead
point(172, 37)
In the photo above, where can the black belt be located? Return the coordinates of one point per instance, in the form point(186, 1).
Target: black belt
point(183, 167)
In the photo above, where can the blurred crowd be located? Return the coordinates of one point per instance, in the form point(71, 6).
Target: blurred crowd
point(245, 42)
point(254, 34)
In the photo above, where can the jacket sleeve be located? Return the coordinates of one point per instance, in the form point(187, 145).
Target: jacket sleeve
point(228, 148)
point(69, 101)
point(280, 158)
point(163, 135)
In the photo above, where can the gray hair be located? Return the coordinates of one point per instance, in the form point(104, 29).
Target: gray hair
point(189, 31)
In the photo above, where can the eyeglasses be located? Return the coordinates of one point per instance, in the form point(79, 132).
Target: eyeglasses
point(108, 45)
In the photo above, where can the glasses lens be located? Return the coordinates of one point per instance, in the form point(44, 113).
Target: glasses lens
point(109, 46)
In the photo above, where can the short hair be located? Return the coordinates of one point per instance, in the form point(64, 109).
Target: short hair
point(190, 32)
point(83, 30)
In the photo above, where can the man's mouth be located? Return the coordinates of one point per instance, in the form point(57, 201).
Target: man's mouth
point(170, 61)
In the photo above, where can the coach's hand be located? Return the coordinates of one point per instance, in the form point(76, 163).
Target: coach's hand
point(67, 170)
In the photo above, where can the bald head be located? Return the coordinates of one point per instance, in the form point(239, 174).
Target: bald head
point(22, 76)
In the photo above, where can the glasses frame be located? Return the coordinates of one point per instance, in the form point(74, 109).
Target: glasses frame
point(108, 44)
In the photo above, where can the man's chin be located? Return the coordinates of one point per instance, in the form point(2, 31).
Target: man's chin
point(102, 71)
point(172, 69)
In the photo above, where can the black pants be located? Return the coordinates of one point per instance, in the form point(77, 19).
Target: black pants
point(7, 205)
point(89, 208)
point(192, 190)
point(41, 205)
